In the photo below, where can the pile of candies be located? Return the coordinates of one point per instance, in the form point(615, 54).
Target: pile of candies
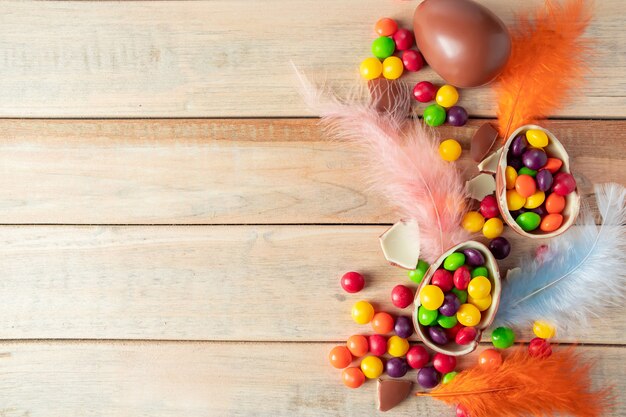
point(451, 304)
point(390, 40)
point(487, 220)
point(444, 110)
point(536, 188)
point(539, 346)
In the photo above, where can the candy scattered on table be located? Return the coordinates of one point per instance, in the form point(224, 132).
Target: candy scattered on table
point(416, 275)
point(371, 68)
point(372, 367)
point(392, 68)
point(539, 348)
point(397, 346)
point(412, 61)
point(434, 115)
point(450, 150)
point(357, 345)
point(352, 282)
point(424, 91)
point(447, 96)
point(377, 344)
point(428, 377)
point(382, 323)
point(386, 26)
point(403, 327)
point(340, 357)
point(543, 329)
point(447, 378)
point(456, 116)
point(352, 377)
point(362, 312)
point(396, 367)
point(444, 363)
point(490, 358)
point(403, 39)
point(401, 296)
point(417, 357)
point(503, 337)
point(383, 47)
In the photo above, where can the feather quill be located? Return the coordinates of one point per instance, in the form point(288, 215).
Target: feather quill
point(549, 60)
point(401, 161)
point(527, 386)
point(580, 274)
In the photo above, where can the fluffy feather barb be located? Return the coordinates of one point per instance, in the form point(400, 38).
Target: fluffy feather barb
point(402, 162)
point(581, 274)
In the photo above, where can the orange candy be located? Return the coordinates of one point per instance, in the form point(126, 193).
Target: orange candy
point(352, 377)
point(553, 165)
point(340, 357)
point(525, 185)
point(357, 345)
point(386, 27)
point(555, 203)
point(551, 222)
point(382, 323)
point(490, 358)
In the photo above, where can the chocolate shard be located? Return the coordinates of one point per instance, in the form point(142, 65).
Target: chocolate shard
point(389, 96)
point(483, 141)
point(392, 392)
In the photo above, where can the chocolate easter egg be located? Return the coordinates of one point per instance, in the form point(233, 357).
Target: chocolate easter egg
point(463, 41)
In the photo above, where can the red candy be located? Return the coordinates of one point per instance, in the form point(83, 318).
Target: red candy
point(466, 336)
point(412, 61)
point(378, 345)
point(564, 183)
point(489, 207)
point(462, 277)
point(417, 357)
point(443, 279)
point(401, 296)
point(403, 39)
point(352, 282)
point(454, 331)
point(424, 92)
point(461, 411)
point(444, 363)
point(553, 165)
point(539, 348)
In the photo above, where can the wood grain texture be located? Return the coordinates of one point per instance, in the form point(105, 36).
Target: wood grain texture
point(262, 171)
point(50, 379)
point(229, 57)
point(238, 283)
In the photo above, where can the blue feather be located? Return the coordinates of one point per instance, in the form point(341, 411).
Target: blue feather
point(581, 274)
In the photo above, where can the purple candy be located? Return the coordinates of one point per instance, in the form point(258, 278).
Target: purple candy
point(534, 158)
point(403, 327)
point(516, 163)
point(428, 377)
point(519, 145)
point(473, 257)
point(500, 247)
point(396, 367)
point(438, 335)
point(540, 211)
point(450, 306)
point(457, 116)
point(544, 179)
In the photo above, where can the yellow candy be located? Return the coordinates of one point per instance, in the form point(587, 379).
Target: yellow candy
point(392, 67)
point(450, 150)
point(468, 315)
point(431, 297)
point(537, 138)
point(372, 367)
point(447, 96)
point(543, 329)
point(473, 221)
point(481, 304)
point(535, 200)
point(371, 68)
point(362, 312)
point(514, 200)
point(510, 174)
point(479, 287)
point(397, 346)
point(493, 228)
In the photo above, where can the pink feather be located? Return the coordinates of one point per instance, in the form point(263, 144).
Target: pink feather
point(401, 161)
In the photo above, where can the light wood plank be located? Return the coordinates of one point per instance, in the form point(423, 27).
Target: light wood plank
point(216, 379)
point(229, 57)
point(271, 283)
point(222, 171)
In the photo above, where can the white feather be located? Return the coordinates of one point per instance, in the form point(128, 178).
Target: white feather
point(580, 276)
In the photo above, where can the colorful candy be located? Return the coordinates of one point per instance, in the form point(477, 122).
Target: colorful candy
point(473, 257)
point(397, 346)
point(417, 357)
point(425, 316)
point(564, 183)
point(543, 329)
point(461, 278)
point(461, 411)
point(412, 60)
point(438, 335)
point(434, 115)
point(481, 304)
point(503, 337)
point(489, 207)
point(528, 221)
point(447, 322)
point(396, 367)
point(428, 377)
point(450, 150)
point(539, 348)
point(378, 345)
point(382, 323)
point(460, 294)
point(371, 68)
point(352, 282)
point(340, 357)
point(362, 312)
point(525, 185)
point(553, 165)
point(551, 222)
point(352, 377)
point(456, 116)
point(479, 287)
point(510, 176)
point(468, 315)
point(401, 296)
point(535, 200)
point(372, 367)
point(386, 26)
point(447, 378)
point(444, 363)
point(534, 158)
point(443, 279)
point(383, 47)
point(493, 228)
point(466, 335)
point(416, 275)
point(527, 171)
point(447, 96)
point(431, 297)
point(519, 145)
point(392, 68)
point(473, 221)
point(555, 203)
point(449, 308)
point(481, 271)
point(403, 327)
point(544, 179)
point(453, 261)
point(403, 39)
point(500, 247)
point(424, 92)
point(537, 138)
point(490, 358)
point(357, 345)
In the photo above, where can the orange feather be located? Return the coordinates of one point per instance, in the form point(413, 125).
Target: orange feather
point(549, 59)
point(527, 386)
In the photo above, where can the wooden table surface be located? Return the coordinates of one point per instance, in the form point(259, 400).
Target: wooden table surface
point(174, 221)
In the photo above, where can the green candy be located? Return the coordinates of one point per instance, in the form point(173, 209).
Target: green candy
point(527, 171)
point(503, 337)
point(528, 221)
point(434, 115)
point(447, 322)
point(426, 317)
point(416, 275)
point(460, 294)
point(449, 377)
point(481, 271)
point(454, 261)
point(383, 47)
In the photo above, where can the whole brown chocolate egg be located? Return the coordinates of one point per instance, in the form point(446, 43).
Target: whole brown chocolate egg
point(463, 41)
